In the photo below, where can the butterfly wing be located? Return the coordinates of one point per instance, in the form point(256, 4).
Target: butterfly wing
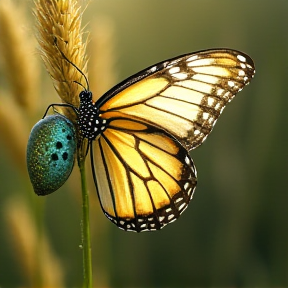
point(144, 175)
point(183, 96)
point(145, 178)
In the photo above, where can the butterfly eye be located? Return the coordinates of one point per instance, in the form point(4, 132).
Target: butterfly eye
point(50, 153)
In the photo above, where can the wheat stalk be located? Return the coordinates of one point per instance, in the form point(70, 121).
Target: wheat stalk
point(59, 34)
point(58, 26)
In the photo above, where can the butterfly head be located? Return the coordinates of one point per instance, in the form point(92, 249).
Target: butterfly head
point(85, 97)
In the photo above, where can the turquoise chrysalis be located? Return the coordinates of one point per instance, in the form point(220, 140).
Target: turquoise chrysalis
point(50, 153)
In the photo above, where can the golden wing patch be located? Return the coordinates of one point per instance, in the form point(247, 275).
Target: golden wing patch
point(187, 96)
point(145, 179)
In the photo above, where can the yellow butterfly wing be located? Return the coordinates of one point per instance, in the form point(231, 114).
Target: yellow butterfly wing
point(145, 179)
point(186, 95)
point(144, 175)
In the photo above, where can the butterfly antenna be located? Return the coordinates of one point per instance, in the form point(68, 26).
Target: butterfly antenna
point(64, 56)
point(80, 84)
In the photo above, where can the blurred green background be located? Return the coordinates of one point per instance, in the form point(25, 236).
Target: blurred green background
point(235, 231)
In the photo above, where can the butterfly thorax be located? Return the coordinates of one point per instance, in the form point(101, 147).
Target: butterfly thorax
point(89, 121)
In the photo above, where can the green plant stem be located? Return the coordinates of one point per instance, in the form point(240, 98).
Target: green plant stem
point(86, 243)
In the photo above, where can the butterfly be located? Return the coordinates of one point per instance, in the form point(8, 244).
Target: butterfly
point(140, 133)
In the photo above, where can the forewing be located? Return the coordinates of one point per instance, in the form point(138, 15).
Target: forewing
point(183, 96)
point(144, 177)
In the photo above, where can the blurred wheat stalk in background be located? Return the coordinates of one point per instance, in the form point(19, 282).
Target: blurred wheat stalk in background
point(37, 260)
point(20, 107)
point(22, 73)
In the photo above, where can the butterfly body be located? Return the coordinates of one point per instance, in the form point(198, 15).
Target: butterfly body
point(90, 122)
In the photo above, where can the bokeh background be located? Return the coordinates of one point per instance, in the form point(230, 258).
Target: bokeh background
point(235, 231)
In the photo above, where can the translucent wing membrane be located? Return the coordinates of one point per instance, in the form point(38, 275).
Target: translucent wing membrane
point(184, 96)
point(145, 178)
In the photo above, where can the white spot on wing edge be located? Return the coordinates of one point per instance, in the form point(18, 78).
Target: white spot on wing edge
point(186, 185)
point(217, 106)
point(172, 63)
point(205, 115)
point(179, 199)
point(192, 58)
point(219, 91)
point(182, 206)
point(190, 191)
point(241, 58)
point(161, 218)
point(210, 101)
point(241, 73)
point(231, 83)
